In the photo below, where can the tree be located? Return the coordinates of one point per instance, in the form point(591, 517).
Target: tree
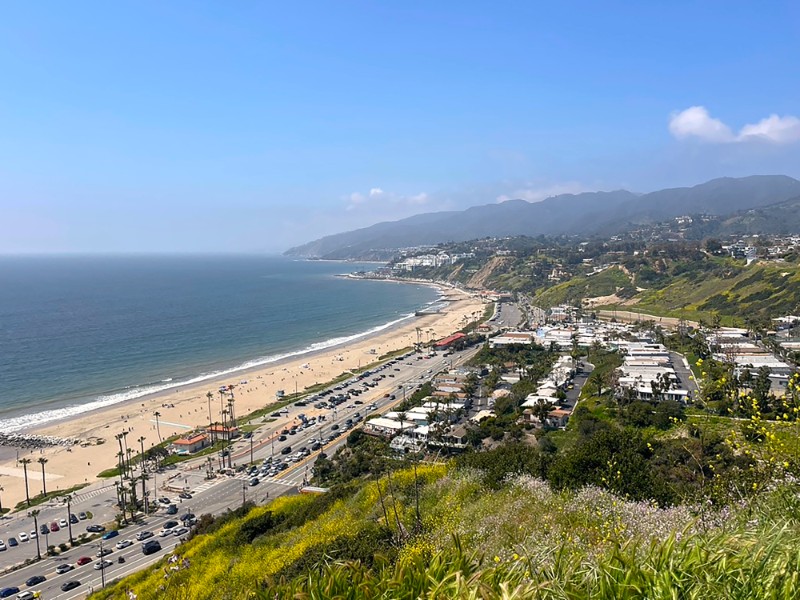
point(43, 461)
point(25, 462)
point(209, 397)
point(158, 427)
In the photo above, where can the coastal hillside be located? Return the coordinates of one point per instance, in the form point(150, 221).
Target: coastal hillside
point(596, 213)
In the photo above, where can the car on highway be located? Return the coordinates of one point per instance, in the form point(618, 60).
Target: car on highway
point(8, 591)
point(150, 546)
point(102, 564)
point(34, 580)
point(94, 528)
point(282, 438)
point(110, 534)
point(165, 500)
point(23, 537)
point(103, 552)
point(27, 595)
point(172, 509)
point(69, 585)
point(180, 531)
point(185, 495)
point(83, 560)
point(170, 524)
point(65, 568)
point(143, 535)
point(254, 481)
point(123, 544)
point(165, 531)
point(286, 450)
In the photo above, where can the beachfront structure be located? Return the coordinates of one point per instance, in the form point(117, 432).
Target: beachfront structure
point(449, 340)
point(189, 444)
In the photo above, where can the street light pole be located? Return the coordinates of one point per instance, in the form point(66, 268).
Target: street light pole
point(251, 449)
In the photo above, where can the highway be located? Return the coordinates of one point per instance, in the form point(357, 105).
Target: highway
point(214, 496)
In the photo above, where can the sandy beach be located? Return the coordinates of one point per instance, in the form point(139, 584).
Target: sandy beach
point(184, 409)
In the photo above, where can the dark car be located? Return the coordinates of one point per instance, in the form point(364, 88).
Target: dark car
point(111, 534)
point(185, 495)
point(44, 530)
point(150, 546)
point(9, 591)
point(286, 450)
point(170, 524)
point(32, 581)
point(95, 528)
point(172, 509)
point(69, 585)
point(12, 541)
point(73, 519)
point(334, 427)
point(254, 481)
point(82, 516)
point(282, 438)
point(187, 517)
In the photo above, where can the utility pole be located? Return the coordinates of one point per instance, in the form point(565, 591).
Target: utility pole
point(244, 490)
point(103, 570)
point(251, 449)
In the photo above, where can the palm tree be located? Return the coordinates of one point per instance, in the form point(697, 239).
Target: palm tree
point(25, 462)
point(120, 455)
point(1, 500)
point(43, 461)
point(158, 427)
point(35, 515)
point(209, 397)
point(230, 411)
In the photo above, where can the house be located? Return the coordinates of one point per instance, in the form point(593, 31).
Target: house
point(189, 444)
point(450, 340)
point(223, 432)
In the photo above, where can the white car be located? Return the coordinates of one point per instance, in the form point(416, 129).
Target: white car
point(124, 544)
point(180, 530)
point(23, 537)
point(102, 564)
point(165, 532)
point(26, 595)
point(33, 534)
point(63, 523)
point(2, 545)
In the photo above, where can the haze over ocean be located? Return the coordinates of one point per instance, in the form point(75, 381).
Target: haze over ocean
point(84, 331)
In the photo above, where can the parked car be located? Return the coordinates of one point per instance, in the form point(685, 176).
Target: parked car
point(44, 529)
point(82, 516)
point(94, 528)
point(2, 546)
point(62, 523)
point(12, 541)
point(69, 585)
point(72, 518)
point(54, 527)
point(23, 537)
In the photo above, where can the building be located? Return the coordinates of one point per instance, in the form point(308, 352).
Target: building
point(190, 444)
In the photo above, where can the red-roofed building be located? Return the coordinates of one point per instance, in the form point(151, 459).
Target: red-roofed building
point(189, 445)
point(449, 340)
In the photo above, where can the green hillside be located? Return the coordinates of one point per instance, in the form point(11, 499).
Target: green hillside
point(744, 294)
point(520, 541)
point(610, 281)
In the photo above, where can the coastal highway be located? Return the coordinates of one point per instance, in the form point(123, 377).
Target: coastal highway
point(214, 496)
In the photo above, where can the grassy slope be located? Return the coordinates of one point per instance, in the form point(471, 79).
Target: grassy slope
point(605, 283)
point(760, 291)
point(523, 540)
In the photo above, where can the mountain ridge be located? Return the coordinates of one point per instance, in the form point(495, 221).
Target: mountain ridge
point(588, 213)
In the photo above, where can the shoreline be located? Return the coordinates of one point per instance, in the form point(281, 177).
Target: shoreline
point(186, 407)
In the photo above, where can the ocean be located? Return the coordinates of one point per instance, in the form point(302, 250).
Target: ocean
point(82, 332)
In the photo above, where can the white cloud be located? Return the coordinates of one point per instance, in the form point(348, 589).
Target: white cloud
point(696, 122)
point(537, 193)
point(780, 130)
point(376, 193)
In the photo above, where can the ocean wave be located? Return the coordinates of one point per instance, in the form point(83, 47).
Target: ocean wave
point(132, 392)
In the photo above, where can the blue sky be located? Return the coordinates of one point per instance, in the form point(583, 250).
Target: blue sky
point(251, 126)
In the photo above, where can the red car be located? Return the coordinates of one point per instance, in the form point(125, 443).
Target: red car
point(83, 560)
point(54, 526)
